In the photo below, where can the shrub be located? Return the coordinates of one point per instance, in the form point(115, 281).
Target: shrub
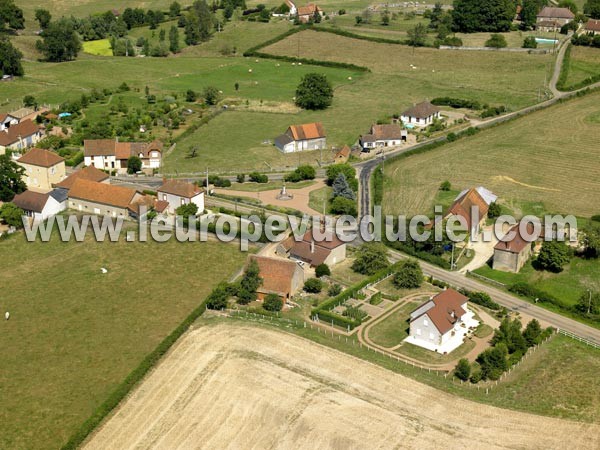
point(409, 275)
point(241, 178)
point(462, 370)
point(496, 41)
point(553, 256)
point(341, 205)
point(217, 299)
point(322, 270)
point(483, 299)
point(258, 177)
point(313, 286)
point(530, 42)
point(494, 210)
point(355, 312)
point(211, 95)
point(371, 258)
point(334, 289)
point(456, 102)
point(273, 303)
point(445, 186)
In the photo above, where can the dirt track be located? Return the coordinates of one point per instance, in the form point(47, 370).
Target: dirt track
point(245, 387)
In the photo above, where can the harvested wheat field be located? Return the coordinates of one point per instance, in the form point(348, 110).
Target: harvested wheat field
point(239, 386)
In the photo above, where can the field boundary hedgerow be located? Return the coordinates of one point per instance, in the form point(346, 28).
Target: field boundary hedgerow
point(255, 51)
point(562, 85)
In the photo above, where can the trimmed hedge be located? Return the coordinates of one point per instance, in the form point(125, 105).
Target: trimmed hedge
point(132, 380)
point(457, 103)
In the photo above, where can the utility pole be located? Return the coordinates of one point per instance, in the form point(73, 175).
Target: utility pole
point(207, 186)
point(590, 301)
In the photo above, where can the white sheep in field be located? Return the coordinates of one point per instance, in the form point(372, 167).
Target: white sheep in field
point(103, 270)
point(7, 315)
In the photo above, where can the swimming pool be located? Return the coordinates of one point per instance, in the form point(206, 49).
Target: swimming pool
point(545, 40)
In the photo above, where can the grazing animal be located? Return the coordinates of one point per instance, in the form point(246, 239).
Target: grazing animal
point(7, 315)
point(104, 270)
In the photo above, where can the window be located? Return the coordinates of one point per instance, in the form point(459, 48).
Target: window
point(425, 322)
point(418, 332)
point(165, 197)
point(52, 170)
point(431, 336)
point(183, 201)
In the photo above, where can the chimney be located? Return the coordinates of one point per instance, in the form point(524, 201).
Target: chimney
point(164, 180)
point(312, 246)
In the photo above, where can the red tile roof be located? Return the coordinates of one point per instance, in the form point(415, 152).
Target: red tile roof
point(99, 147)
point(277, 274)
point(421, 110)
point(106, 194)
point(41, 157)
point(121, 150)
point(593, 25)
point(22, 130)
point(344, 152)
point(31, 201)
point(87, 173)
point(548, 12)
point(306, 131)
point(180, 188)
point(309, 9)
point(518, 243)
point(447, 309)
point(465, 204)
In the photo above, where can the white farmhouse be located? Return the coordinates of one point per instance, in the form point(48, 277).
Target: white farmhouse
point(177, 193)
point(420, 115)
point(309, 136)
point(442, 322)
point(39, 207)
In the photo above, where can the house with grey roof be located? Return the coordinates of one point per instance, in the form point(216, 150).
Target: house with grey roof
point(420, 115)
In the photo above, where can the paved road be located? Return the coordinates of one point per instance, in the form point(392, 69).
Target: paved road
point(505, 299)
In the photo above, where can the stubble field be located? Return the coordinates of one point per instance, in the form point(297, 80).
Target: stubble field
point(239, 386)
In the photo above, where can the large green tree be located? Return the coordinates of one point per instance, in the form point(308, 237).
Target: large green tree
point(60, 41)
point(249, 283)
point(553, 256)
point(11, 178)
point(314, 92)
point(591, 241)
point(470, 16)
point(349, 172)
point(409, 275)
point(530, 10)
point(200, 23)
point(11, 16)
point(43, 17)
point(371, 257)
point(341, 188)
point(592, 9)
point(12, 215)
point(10, 59)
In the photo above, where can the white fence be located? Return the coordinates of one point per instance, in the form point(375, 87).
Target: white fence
point(578, 338)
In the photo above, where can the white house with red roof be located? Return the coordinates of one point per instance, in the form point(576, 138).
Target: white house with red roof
point(442, 322)
point(175, 193)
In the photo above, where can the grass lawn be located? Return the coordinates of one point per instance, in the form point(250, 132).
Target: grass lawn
point(387, 287)
point(320, 197)
point(394, 85)
point(100, 47)
point(344, 274)
point(75, 333)
point(483, 330)
point(507, 159)
point(393, 329)
point(584, 63)
point(427, 356)
point(568, 285)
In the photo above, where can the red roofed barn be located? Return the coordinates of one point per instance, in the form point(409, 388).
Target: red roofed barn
point(310, 136)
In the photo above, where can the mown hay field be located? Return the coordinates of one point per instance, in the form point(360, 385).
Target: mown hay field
point(584, 63)
point(548, 159)
point(75, 333)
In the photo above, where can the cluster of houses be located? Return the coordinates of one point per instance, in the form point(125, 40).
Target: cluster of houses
point(50, 191)
point(112, 155)
point(312, 136)
point(551, 19)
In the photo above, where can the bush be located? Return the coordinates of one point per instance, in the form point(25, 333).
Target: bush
point(456, 103)
point(494, 210)
point(334, 289)
point(273, 303)
point(463, 369)
point(493, 111)
point(496, 41)
point(530, 42)
point(483, 299)
point(553, 256)
point(445, 186)
point(217, 299)
point(241, 178)
point(322, 270)
point(371, 258)
point(211, 95)
point(258, 177)
point(313, 286)
point(344, 206)
point(409, 275)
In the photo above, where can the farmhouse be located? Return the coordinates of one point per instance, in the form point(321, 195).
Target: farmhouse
point(592, 26)
point(313, 252)
point(342, 156)
point(279, 276)
point(43, 168)
point(89, 173)
point(510, 255)
point(310, 136)
point(420, 115)
point(38, 206)
point(100, 198)
point(387, 135)
point(442, 322)
point(23, 114)
point(472, 206)
point(177, 193)
point(552, 19)
point(307, 13)
point(112, 155)
point(17, 135)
